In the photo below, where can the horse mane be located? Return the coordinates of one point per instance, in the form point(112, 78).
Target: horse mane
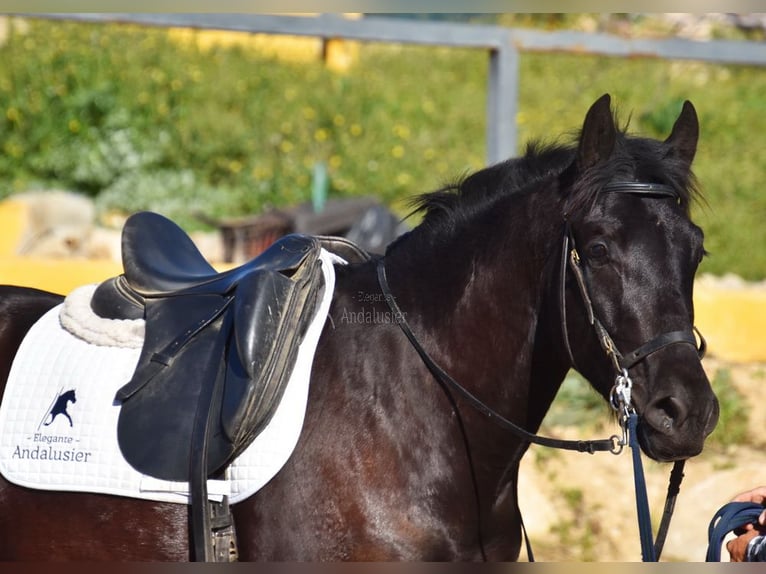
point(633, 157)
point(476, 191)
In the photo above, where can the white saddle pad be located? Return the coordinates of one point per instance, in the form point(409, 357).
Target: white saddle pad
point(50, 441)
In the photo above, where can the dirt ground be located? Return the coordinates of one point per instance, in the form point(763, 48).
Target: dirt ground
point(581, 507)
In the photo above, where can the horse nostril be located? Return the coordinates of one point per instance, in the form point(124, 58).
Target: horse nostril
point(664, 414)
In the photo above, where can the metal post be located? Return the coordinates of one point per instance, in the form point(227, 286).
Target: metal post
point(502, 102)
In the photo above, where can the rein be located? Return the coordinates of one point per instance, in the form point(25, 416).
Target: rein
point(620, 395)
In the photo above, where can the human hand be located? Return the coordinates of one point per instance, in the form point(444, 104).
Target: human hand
point(757, 495)
point(737, 547)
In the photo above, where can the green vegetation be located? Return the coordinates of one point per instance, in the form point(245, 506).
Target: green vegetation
point(578, 404)
point(140, 121)
point(733, 420)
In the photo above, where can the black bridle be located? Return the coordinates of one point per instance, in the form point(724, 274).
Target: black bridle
point(569, 254)
point(620, 397)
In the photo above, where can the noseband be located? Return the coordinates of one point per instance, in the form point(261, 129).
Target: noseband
point(622, 362)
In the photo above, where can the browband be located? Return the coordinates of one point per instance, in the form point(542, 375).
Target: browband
point(641, 188)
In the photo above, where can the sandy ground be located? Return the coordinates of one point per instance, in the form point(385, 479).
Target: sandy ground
point(581, 507)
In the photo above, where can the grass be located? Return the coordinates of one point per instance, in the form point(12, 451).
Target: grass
point(733, 421)
point(139, 120)
point(577, 404)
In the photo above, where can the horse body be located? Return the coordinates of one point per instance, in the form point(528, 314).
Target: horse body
point(390, 465)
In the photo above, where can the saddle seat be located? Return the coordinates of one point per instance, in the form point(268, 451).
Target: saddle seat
point(160, 259)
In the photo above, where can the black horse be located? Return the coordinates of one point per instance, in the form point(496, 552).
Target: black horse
point(522, 270)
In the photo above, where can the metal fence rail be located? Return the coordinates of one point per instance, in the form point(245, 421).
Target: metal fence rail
point(502, 44)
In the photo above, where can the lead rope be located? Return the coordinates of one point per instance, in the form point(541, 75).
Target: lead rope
point(620, 399)
point(642, 501)
point(650, 549)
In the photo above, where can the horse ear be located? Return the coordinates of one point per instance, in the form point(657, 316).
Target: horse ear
point(598, 134)
point(682, 140)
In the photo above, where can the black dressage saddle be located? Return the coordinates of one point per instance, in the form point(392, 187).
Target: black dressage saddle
point(218, 346)
point(218, 352)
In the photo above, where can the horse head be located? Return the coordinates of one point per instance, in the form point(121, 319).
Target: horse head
point(631, 254)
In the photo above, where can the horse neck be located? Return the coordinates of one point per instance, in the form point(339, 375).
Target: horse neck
point(476, 295)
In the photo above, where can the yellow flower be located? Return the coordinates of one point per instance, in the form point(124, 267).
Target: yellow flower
point(74, 126)
point(286, 146)
point(339, 120)
point(355, 130)
point(13, 115)
point(321, 135)
point(261, 172)
point(12, 149)
point(309, 113)
point(335, 161)
point(401, 131)
point(397, 151)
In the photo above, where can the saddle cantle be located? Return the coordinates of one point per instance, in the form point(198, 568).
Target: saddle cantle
point(219, 347)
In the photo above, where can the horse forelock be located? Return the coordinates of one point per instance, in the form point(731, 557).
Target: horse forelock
point(634, 159)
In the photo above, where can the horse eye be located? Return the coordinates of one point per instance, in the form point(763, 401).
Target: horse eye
point(597, 251)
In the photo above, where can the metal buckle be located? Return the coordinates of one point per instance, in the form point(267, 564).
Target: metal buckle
point(620, 395)
point(619, 443)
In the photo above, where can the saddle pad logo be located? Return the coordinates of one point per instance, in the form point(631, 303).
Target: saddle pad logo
point(52, 441)
point(59, 407)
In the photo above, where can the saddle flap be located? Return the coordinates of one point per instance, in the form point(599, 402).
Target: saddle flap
point(271, 317)
point(156, 420)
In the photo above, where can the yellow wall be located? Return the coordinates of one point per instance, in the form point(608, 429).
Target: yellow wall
point(13, 217)
point(733, 320)
point(57, 275)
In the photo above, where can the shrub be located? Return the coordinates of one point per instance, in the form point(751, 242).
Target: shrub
point(116, 109)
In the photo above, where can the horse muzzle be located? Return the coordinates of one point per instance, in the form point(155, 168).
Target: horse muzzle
point(671, 428)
